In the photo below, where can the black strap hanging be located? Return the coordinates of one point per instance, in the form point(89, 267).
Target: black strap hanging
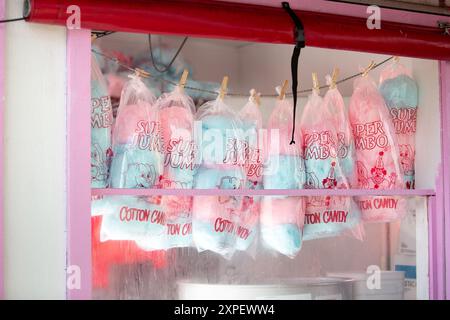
point(299, 36)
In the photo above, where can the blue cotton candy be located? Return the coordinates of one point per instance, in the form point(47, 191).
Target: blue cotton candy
point(283, 238)
point(244, 244)
point(283, 172)
point(216, 178)
point(131, 218)
point(101, 121)
point(400, 92)
point(216, 127)
point(206, 238)
point(134, 168)
point(179, 232)
point(401, 97)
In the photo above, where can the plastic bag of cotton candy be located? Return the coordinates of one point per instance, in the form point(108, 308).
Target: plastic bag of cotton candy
point(377, 156)
point(329, 155)
point(137, 142)
point(176, 112)
point(400, 93)
point(281, 216)
point(136, 219)
point(216, 219)
point(251, 118)
point(101, 123)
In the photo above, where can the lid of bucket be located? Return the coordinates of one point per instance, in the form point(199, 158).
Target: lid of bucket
point(358, 276)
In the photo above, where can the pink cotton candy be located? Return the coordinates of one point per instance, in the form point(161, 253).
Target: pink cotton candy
point(376, 152)
point(289, 210)
point(176, 123)
point(134, 119)
point(115, 85)
point(252, 123)
point(281, 120)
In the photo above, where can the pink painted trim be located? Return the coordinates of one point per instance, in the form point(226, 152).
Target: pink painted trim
point(436, 249)
point(2, 96)
point(353, 10)
point(444, 71)
point(265, 192)
point(78, 159)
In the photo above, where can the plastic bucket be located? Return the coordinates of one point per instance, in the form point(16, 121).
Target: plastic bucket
point(391, 285)
point(285, 289)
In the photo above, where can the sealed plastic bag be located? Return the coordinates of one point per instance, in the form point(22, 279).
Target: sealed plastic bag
point(376, 146)
point(400, 93)
point(251, 118)
point(132, 218)
point(216, 218)
point(329, 162)
point(137, 142)
point(101, 123)
point(176, 111)
point(282, 217)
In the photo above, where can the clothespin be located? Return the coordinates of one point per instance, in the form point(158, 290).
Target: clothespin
point(316, 86)
point(334, 77)
point(255, 96)
point(396, 59)
point(141, 73)
point(368, 68)
point(183, 80)
point(283, 89)
point(93, 37)
point(223, 88)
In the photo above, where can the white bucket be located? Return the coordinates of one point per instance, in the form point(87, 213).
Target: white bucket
point(286, 289)
point(391, 286)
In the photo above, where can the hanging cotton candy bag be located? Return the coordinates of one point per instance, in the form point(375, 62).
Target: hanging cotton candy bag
point(251, 118)
point(377, 161)
point(400, 93)
point(137, 142)
point(216, 219)
point(101, 123)
point(131, 218)
point(282, 217)
point(176, 112)
point(329, 162)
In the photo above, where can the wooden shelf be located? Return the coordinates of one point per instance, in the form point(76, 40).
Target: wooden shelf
point(265, 192)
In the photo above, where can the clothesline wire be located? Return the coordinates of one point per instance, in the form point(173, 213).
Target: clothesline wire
point(147, 75)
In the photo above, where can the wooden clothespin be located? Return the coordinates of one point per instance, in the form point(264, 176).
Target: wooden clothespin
point(255, 97)
point(396, 59)
point(334, 77)
point(283, 89)
point(93, 37)
point(367, 70)
point(141, 73)
point(223, 88)
point(316, 86)
point(183, 80)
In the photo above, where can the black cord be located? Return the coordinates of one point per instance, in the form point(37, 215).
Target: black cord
point(12, 20)
point(166, 68)
point(100, 34)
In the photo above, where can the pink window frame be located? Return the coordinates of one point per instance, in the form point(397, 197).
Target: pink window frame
point(78, 162)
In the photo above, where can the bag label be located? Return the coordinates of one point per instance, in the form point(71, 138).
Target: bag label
point(101, 114)
point(370, 135)
point(148, 136)
point(378, 203)
point(404, 119)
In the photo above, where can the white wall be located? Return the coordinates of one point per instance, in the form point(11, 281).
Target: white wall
point(34, 154)
point(428, 141)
